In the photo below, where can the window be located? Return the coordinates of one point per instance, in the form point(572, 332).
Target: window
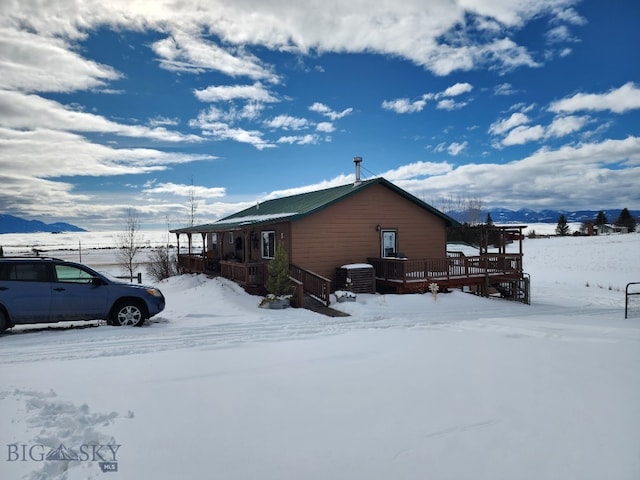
point(69, 274)
point(389, 243)
point(26, 272)
point(231, 240)
point(268, 244)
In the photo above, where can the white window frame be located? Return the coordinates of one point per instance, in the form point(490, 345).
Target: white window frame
point(383, 245)
point(265, 235)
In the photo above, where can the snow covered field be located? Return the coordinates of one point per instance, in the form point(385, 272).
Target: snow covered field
point(407, 387)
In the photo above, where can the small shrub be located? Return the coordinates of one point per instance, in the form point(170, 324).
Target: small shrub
point(162, 264)
point(278, 282)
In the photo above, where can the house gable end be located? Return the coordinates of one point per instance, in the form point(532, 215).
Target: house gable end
point(295, 207)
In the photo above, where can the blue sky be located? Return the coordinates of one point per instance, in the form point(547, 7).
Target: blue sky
point(107, 106)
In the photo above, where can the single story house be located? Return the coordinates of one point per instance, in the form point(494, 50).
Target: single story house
point(609, 228)
point(367, 222)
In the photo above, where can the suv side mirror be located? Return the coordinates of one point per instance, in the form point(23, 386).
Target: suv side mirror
point(96, 281)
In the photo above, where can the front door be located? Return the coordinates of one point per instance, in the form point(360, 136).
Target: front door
point(389, 243)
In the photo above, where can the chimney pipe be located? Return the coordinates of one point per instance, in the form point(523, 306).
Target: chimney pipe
point(357, 161)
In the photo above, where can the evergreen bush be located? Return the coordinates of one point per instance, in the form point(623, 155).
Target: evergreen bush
point(278, 282)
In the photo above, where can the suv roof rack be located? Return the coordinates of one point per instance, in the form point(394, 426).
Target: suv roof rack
point(28, 257)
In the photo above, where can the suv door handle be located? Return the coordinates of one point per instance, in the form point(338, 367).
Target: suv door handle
point(59, 289)
point(4, 288)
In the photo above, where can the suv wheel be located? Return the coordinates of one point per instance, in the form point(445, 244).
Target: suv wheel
point(127, 314)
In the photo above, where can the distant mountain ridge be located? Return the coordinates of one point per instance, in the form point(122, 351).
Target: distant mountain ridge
point(524, 216)
point(11, 224)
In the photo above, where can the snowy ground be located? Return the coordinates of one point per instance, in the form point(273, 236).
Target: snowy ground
point(407, 387)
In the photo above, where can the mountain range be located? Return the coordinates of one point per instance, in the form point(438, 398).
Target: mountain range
point(11, 224)
point(525, 216)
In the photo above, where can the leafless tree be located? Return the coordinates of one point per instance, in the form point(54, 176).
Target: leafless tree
point(193, 204)
point(473, 210)
point(129, 244)
point(467, 209)
point(162, 263)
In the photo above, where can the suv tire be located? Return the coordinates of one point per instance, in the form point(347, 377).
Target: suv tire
point(127, 313)
point(3, 321)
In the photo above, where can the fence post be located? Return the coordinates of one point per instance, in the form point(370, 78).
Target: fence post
point(626, 297)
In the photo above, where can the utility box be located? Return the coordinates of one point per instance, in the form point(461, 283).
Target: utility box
point(356, 277)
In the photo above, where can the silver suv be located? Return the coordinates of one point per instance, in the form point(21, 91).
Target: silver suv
point(48, 290)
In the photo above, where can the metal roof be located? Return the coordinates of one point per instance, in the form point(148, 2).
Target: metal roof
point(295, 207)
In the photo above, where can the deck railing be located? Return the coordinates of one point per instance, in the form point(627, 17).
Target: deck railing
point(445, 268)
point(191, 263)
point(255, 275)
point(244, 273)
point(316, 285)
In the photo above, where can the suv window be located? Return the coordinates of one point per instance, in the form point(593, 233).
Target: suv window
point(24, 272)
point(70, 274)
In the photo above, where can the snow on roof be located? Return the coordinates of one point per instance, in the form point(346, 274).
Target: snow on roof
point(256, 218)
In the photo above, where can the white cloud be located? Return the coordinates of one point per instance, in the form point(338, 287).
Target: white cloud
point(504, 125)
point(518, 132)
point(185, 190)
point(504, 89)
point(404, 105)
point(457, 89)
point(619, 100)
point(287, 122)
point(31, 62)
point(334, 182)
point(40, 196)
point(565, 125)
point(453, 149)
point(325, 127)
point(184, 52)
point(417, 170)
point(221, 131)
point(308, 139)
point(559, 34)
point(323, 109)
point(439, 35)
point(508, 56)
point(256, 92)
point(568, 15)
point(456, 149)
point(564, 52)
point(251, 111)
point(523, 134)
point(162, 121)
point(448, 104)
point(541, 179)
point(30, 153)
point(31, 112)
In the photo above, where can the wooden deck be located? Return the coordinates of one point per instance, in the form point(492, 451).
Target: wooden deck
point(480, 273)
point(483, 274)
point(252, 276)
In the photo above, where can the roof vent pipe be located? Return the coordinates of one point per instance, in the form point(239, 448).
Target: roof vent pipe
point(357, 161)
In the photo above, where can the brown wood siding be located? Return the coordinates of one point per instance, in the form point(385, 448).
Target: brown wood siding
point(346, 232)
point(282, 231)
